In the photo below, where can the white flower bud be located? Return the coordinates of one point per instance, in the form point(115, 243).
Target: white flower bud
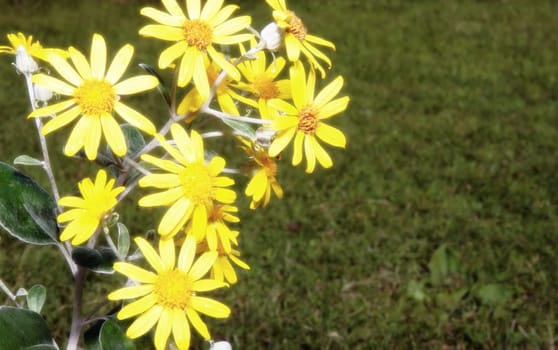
point(42, 94)
point(25, 64)
point(272, 36)
point(221, 345)
point(264, 136)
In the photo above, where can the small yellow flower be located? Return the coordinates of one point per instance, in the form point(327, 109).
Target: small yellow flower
point(222, 269)
point(88, 211)
point(194, 36)
point(305, 119)
point(193, 100)
point(297, 39)
point(94, 94)
point(217, 232)
point(261, 81)
point(264, 179)
point(34, 48)
point(169, 297)
point(191, 187)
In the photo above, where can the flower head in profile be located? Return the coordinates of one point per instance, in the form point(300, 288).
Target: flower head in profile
point(33, 48)
point(88, 211)
point(93, 94)
point(217, 232)
point(305, 119)
point(264, 175)
point(194, 35)
point(261, 81)
point(223, 269)
point(190, 186)
point(296, 37)
point(169, 297)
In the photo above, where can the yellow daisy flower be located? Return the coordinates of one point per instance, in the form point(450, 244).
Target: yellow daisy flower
point(94, 95)
point(33, 48)
point(297, 39)
point(222, 269)
point(169, 297)
point(217, 232)
point(261, 81)
point(191, 187)
point(264, 176)
point(193, 100)
point(194, 36)
point(88, 211)
point(305, 119)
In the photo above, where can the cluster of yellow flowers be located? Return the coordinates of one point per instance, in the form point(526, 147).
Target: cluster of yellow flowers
point(192, 185)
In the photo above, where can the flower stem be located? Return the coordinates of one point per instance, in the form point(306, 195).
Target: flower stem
point(75, 329)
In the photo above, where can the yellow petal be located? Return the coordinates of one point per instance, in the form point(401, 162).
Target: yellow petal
point(167, 165)
point(298, 85)
point(119, 63)
point(98, 56)
point(334, 107)
point(145, 322)
point(200, 77)
point(330, 135)
point(71, 214)
point(64, 69)
point(161, 181)
point(187, 65)
point(114, 136)
point(224, 195)
point(222, 62)
point(163, 329)
point(210, 307)
point(207, 285)
point(292, 44)
point(61, 120)
point(171, 53)
point(193, 8)
point(187, 253)
point(131, 292)
point(162, 17)
point(323, 158)
point(175, 217)
point(310, 155)
point(329, 92)
point(92, 136)
point(137, 307)
point(281, 141)
point(80, 62)
point(135, 118)
point(283, 106)
point(136, 84)
point(210, 9)
point(162, 32)
point(161, 198)
point(77, 137)
point(202, 265)
point(150, 254)
point(181, 330)
point(297, 148)
point(173, 8)
point(167, 252)
point(135, 273)
point(53, 84)
point(197, 322)
point(232, 26)
point(222, 15)
point(52, 109)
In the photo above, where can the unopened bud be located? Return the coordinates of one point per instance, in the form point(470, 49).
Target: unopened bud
point(264, 136)
point(221, 345)
point(25, 64)
point(42, 94)
point(272, 36)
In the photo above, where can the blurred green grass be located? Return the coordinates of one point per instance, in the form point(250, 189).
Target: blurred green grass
point(437, 225)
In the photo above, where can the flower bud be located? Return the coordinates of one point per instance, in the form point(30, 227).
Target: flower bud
point(42, 94)
point(272, 36)
point(25, 64)
point(264, 136)
point(221, 345)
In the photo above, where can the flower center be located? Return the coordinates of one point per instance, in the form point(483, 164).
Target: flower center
point(212, 75)
point(95, 97)
point(296, 27)
point(197, 33)
point(265, 87)
point(269, 166)
point(173, 289)
point(308, 119)
point(197, 184)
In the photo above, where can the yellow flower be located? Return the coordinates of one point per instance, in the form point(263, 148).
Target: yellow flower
point(94, 95)
point(305, 119)
point(35, 49)
point(222, 269)
point(194, 37)
point(169, 297)
point(261, 81)
point(217, 232)
point(297, 39)
point(88, 211)
point(191, 187)
point(264, 177)
point(193, 100)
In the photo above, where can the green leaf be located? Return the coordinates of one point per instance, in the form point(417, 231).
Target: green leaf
point(112, 337)
point(36, 297)
point(443, 265)
point(27, 211)
point(123, 240)
point(494, 293)
point(134, 139)
point(161, 87)
point(242, 128)
point(98, 260)
point(20, 328)
point(27, 160)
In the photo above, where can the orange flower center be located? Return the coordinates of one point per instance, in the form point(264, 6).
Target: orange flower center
point(265, 87)
point(296, 27)
point(269, 166)
point(173, 289)
point(308, 119)
point(95, 97)
point(197, 184)
point(197, 33)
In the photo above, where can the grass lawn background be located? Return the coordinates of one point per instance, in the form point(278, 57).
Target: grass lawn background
point(437, 226)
